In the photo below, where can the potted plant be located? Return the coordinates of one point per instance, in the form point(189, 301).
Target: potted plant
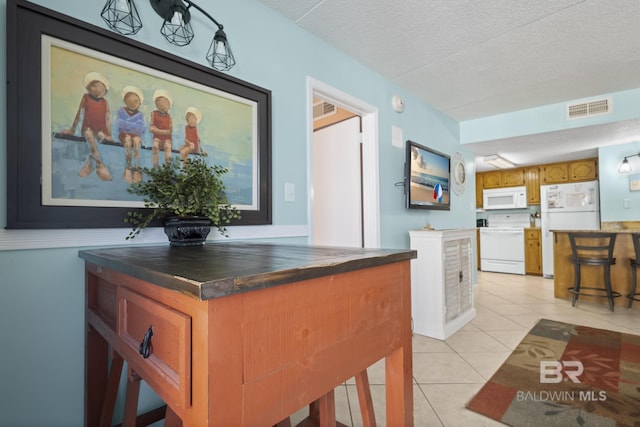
point(189, 197)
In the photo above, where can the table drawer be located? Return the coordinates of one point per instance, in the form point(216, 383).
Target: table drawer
point(167, 367)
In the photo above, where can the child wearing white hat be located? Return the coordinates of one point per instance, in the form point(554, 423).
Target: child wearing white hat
point(192, 144)
point(130, 125)
point(96, 122)
point(161, 126)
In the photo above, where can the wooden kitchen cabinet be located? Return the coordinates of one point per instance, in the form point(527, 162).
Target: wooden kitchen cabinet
point(479, 188)
point(503, 178)
point(574, 171)
point(534, 176)
point(554, 173)
point(513, 177)
point(492, 179)
point(532, 182)
point(533, 251)
point(583, 170)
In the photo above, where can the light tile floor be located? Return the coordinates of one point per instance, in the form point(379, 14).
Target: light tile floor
point(449, 373)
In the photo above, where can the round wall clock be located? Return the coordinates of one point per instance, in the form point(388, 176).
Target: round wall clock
point(459, 173)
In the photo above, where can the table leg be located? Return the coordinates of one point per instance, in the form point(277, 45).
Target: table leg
point(322, 413)
point(327, 409)
point(111, 392)
point(171, 419)
point(131, 400)
point(364, 397)
point(399, 387)
point(96, 373)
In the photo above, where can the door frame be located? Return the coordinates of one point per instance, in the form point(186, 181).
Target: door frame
point(370, 165)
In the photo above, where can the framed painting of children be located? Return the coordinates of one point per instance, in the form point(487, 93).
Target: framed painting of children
point(104, 108)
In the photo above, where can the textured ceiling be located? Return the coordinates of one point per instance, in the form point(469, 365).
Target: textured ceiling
point(471, 58)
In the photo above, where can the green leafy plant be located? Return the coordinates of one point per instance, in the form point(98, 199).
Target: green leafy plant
point(193, 189)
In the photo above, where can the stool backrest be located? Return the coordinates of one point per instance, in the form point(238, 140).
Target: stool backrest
point(636, 245)
point(590, 245)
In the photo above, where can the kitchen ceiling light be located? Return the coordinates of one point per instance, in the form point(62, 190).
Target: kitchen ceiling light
point(122, 17)
point(625, 167)
point(498, 162)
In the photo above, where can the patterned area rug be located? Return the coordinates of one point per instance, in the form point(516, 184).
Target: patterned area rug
point(566, 375)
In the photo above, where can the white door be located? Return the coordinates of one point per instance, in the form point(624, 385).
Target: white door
point(337, 185)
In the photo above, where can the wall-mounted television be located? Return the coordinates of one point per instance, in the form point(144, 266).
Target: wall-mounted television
point(427, 178)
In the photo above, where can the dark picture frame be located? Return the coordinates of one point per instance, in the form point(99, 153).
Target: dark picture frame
point(29, 171)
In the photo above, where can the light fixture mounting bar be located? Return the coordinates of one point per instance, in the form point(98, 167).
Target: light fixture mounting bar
point(165, 9)
point(190, 3)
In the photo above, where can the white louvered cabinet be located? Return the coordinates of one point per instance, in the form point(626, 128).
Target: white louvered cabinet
point(442, 281)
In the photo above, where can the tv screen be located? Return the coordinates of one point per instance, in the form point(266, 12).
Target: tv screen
point(427, 175)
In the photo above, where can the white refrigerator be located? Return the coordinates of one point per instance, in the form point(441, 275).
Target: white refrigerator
point(574, 206)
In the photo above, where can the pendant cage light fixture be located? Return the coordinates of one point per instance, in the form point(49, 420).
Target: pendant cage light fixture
point(122, 17)
point(176, 27)
point(219, 55)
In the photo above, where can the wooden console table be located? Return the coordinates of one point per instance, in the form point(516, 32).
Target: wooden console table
point(245, 334)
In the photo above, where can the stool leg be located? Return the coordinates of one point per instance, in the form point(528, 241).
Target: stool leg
point(607, 282)
point(576, 284)
point(632, 293)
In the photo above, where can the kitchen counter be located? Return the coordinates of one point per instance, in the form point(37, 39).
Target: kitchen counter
point(563, 272)
point(617, 231)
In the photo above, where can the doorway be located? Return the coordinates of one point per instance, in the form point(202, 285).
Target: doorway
point(337, 188)
point(369, 189)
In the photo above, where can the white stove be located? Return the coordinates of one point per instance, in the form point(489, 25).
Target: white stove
point(502, 243)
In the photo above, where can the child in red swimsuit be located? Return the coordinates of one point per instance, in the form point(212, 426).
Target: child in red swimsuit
point(161, 126)
point(96, 122)
point(191, 138)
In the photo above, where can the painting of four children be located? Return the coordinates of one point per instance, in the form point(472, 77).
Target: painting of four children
point(130, 125)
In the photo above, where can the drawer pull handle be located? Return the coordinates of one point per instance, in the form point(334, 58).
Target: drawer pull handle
point(145, 345)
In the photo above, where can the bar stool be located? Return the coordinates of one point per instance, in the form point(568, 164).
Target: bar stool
point(593, 249)
point(635, 263)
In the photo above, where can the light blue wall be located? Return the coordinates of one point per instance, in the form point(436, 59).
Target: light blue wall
point(547, 118)
point(614, 187)
point(42, 291)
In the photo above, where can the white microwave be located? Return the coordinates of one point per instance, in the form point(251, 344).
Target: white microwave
point(504, 198)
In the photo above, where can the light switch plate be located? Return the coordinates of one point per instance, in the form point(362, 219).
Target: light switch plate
point(289, 192)
point(396, 136)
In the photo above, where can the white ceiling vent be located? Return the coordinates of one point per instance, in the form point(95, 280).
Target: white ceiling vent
point(589, 109)
point(323, 109)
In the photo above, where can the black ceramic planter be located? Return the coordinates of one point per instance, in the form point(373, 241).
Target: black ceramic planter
point(192, 231)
